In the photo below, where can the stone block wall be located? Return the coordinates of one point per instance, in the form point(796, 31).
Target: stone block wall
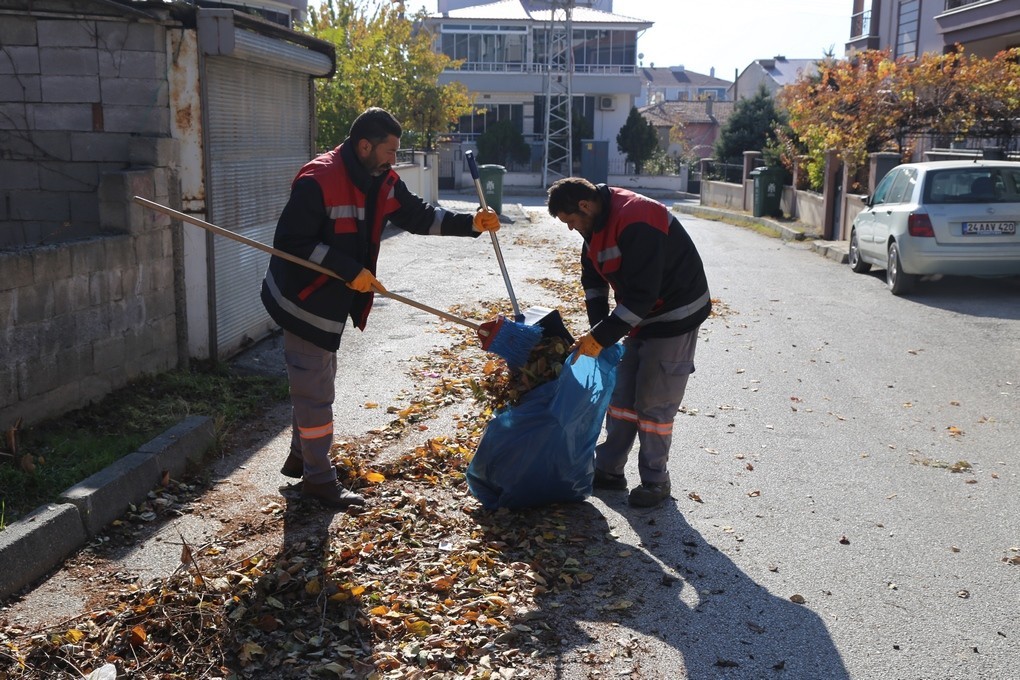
point(74, 92)
point(80, 319)
point(88, 278)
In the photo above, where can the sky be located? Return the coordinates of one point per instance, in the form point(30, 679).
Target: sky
point(729, 34)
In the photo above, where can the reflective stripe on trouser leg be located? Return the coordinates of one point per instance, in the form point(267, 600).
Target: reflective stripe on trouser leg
point(654, 385)
point(311, 372)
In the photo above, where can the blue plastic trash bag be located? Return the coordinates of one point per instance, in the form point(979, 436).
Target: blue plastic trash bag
point(542, 450)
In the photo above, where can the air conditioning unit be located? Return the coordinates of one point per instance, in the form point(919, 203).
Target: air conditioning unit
point(606, 103)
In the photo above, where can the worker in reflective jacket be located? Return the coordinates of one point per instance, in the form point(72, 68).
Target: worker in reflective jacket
point(338, 205)
point(636, 247)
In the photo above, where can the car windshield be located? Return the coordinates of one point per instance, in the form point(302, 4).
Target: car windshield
point(976, 184)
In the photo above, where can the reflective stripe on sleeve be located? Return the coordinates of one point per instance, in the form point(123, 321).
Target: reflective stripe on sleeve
point(680, 312)
point(627, 316)
point(437, 223)
point(319, 254)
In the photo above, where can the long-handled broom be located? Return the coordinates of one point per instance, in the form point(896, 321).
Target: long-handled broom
point(511, 340)
point(548, 320)
point(473, 167)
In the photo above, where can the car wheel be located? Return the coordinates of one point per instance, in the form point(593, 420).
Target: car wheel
point(858, 265)
point(898, 281)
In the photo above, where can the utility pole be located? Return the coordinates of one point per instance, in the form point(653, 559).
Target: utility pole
point(559, 93)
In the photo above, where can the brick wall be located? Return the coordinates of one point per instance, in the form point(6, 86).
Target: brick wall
point(80, 319)
point(88, 279)
point(74, 92)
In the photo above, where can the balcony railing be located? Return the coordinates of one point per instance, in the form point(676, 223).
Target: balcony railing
point(860, 24)
point(504, 67)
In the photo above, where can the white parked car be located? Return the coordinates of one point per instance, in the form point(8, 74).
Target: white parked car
point(940, 217)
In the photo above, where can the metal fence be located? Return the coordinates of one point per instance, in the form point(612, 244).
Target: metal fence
point(712, 169)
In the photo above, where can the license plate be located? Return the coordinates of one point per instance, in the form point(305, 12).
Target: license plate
point(989, 228)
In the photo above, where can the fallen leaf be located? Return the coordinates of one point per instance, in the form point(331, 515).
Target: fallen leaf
point(137, 636)
point(797, 599)
point(695, 497)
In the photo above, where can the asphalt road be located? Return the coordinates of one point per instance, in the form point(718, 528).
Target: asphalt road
point(813, 458)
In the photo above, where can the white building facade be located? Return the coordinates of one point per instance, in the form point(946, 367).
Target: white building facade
point(505, 47)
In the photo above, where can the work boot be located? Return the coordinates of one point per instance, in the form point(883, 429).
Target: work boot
point(331, 494)
point(294, 466)
point(649, 494)
point(607, 480)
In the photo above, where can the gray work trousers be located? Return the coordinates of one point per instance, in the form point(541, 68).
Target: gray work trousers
point(311, 372)
point(650, 384)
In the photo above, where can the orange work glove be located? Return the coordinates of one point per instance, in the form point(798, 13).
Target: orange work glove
point(364, 282)
point(486, 220)
point(586, 345)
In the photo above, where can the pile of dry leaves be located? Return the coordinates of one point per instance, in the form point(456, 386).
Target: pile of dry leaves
point(422, 583)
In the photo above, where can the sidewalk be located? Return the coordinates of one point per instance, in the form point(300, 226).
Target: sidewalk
point(788, 230)
point(36, 544)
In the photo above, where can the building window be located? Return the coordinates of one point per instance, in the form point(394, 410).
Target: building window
point(906, 35)
point(485, 47)
point(580, 107)
point(481, 118)
point(593, 50)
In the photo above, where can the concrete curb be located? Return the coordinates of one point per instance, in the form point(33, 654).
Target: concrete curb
point(838, 251)
point(796, 231)
point(834, 250)
point(35, 544)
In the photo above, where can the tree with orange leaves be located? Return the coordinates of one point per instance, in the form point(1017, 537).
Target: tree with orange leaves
point(872, 102)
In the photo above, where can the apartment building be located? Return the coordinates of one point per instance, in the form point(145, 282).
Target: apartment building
point(677, 84)
point(508, 54)
point(909, 28)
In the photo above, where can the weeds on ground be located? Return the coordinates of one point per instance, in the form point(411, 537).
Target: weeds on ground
point(68, 449)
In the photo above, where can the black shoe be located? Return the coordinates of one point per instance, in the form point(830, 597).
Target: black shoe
point(648, 495)
point(607, 480)
point(331, 494)
point(293, 467)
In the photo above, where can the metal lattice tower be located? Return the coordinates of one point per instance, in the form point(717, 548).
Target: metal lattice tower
point(559, 93)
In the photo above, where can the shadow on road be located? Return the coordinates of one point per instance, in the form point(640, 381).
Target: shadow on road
point(993, 297)
point(681, 590)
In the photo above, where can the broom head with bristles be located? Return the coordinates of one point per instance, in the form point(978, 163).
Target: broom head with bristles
point(511, 340)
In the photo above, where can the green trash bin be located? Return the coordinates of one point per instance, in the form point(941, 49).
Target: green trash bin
point(491, 177)
point(768, 191)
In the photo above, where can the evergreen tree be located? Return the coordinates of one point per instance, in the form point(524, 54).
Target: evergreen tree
point(751, 127)
point(637, 139)
point(502, 143)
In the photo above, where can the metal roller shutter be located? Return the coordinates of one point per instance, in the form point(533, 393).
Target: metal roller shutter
point(258, 136)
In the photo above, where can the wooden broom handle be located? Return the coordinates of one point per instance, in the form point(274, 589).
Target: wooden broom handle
point(184, 217)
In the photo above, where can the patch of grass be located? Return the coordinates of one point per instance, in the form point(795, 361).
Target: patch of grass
point(70, 448)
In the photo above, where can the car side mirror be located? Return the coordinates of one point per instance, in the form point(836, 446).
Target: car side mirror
point(867, 201)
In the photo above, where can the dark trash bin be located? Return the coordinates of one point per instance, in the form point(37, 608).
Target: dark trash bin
point(491, 177)
point(768, 191)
